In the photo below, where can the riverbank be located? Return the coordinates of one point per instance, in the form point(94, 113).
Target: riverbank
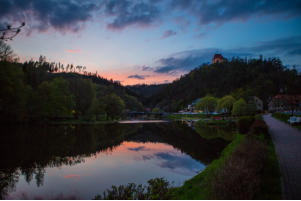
point(256, 173)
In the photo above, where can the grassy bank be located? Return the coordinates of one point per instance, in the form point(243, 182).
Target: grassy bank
point(197, 187)
point(247, 169)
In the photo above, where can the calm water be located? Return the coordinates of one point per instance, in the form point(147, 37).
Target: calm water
point(78, 162)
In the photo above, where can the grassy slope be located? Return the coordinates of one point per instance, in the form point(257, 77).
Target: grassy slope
point(270, 187)
point(196, 187)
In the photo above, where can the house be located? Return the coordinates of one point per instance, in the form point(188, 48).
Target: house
point(285, 103)
point(257, 101)
point(218, 58)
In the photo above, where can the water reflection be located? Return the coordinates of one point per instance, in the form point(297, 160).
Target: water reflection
point(63, 161)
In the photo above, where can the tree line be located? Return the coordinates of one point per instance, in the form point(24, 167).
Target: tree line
point(35, 91)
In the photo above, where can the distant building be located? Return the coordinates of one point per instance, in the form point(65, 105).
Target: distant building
point(218, 58)
point(257, 101)
point(285, 103)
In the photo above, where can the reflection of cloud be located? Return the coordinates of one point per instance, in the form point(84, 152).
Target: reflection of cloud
point(138, 148)
point(70, 176)
point(179, 163)
point(182, 164)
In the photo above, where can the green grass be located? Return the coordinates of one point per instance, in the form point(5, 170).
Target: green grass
point(270, 187)
point(197, 187)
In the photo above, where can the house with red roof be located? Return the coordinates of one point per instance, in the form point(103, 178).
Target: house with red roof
point(218, 58)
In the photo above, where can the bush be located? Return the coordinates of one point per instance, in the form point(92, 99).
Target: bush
point(259, 127)
point(244, 124)
point(157, 188)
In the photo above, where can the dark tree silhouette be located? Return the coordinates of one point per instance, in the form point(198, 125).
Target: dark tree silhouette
point(10, 32)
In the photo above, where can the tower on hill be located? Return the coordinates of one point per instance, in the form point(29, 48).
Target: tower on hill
point(218, 58)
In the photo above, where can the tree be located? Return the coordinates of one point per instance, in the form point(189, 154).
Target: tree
point(156, 110)
point(84, 91)
point(225, 104)
point(55, 99)
point(114, 105)
point(6, 52)
point(10, 32)
point(13, 92)
point(207, 104)
point(240, 107)
point(132, 103)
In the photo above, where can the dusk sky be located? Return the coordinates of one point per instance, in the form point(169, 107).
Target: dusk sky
point(153, 41)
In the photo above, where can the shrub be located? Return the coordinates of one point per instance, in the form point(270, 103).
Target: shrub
point(240, 108)
point(259, 127)
point(157, 188)
point(244, 123)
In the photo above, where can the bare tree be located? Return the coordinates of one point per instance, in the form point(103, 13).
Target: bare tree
point(10, 32)
point(6, 52)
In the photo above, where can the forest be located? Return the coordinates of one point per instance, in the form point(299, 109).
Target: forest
point(238, 77)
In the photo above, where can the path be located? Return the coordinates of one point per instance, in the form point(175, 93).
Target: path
point(287, 142)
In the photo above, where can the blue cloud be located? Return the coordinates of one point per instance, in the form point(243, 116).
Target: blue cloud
point(139, 77)
point(168, 33)
point(72, 14)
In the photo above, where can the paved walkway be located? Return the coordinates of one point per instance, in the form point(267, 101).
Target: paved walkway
point(287, 142)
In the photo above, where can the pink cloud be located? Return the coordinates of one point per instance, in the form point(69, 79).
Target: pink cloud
point(73, 51)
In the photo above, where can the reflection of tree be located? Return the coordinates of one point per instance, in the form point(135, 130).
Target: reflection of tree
point(183, 138)
point(212, 131)
point(28, 150)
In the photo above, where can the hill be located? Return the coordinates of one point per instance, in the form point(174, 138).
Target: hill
point(238, 77)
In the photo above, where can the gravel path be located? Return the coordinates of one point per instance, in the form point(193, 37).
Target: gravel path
point(287, 142)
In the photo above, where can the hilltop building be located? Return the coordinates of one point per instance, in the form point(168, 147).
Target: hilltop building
point(218, 58)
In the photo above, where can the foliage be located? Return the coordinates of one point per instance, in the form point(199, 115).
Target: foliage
point(244, 124)
point(156, 110)
point(225, 104)
point(132, 103)
point(54, 99)
point(240, 107)
point(157, 189)
point(207, 104)
point(114, 106)
point(85, 95)
point(14, 93)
